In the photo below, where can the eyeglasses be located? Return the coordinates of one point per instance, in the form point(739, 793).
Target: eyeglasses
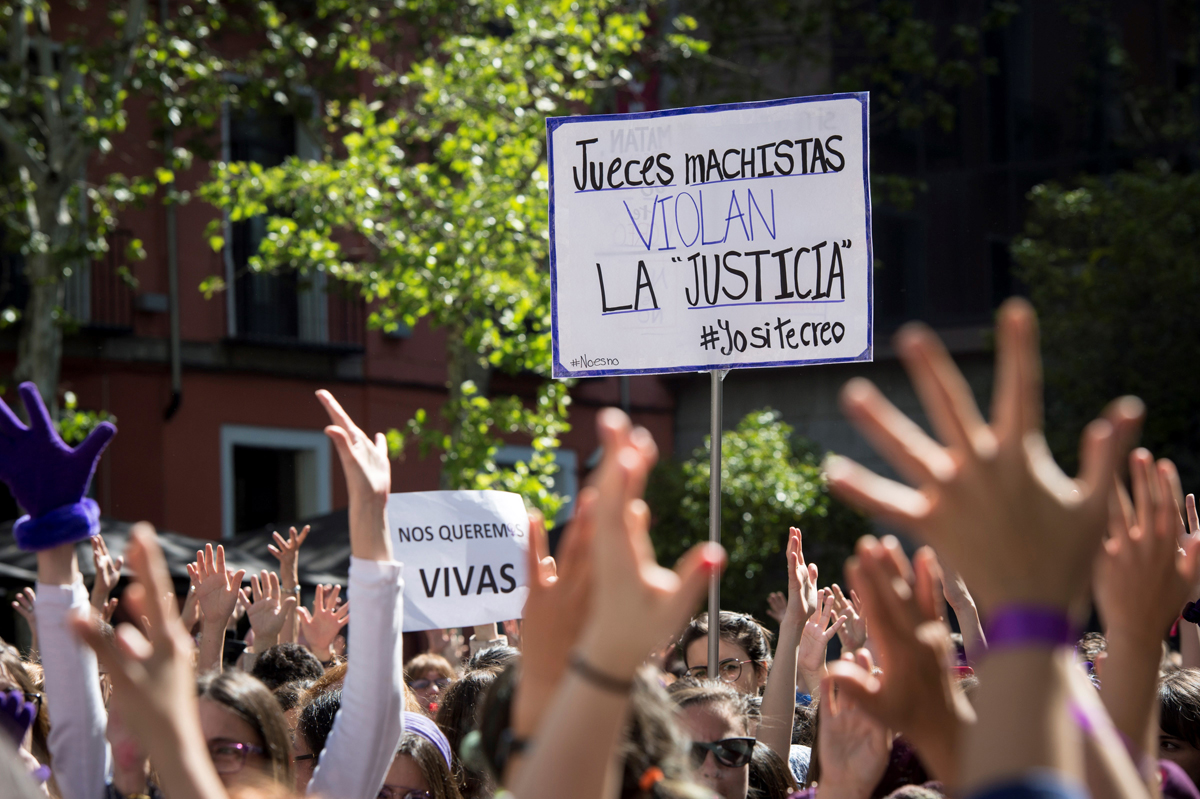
point(388, 792)
point(728, 670)
point(730, 752)
point(298, 758)
point(421, 685)
point(229, 757)
point(33, 697)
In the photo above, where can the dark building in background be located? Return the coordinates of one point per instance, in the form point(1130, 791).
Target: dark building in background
point(1051, 110)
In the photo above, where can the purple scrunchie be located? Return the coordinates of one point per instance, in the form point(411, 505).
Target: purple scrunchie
point(427, 729)
point(64, 525)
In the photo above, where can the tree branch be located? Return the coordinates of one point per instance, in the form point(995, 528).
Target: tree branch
point(16, 147)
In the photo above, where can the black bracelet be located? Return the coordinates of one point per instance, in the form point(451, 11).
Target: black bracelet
point(599, 679)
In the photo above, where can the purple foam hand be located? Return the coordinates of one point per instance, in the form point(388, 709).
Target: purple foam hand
point(48, 478)
point(16, 715)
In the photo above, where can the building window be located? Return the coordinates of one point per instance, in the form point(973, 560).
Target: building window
point(281, 307)
point(565, 480)
point(271, 475)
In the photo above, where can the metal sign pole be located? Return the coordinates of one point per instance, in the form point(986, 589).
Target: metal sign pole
point(714, 520)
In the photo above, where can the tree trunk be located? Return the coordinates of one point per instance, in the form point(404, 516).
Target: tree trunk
point(39, 348)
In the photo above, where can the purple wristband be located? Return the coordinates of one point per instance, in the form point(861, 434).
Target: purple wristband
point(1029, 625)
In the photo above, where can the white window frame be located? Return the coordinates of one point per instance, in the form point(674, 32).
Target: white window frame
point(313, 467)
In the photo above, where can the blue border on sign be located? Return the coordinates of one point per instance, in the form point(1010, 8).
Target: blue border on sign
point(553, 123)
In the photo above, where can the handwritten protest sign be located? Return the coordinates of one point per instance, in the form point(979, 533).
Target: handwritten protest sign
point(713, 237)
point(463, 554)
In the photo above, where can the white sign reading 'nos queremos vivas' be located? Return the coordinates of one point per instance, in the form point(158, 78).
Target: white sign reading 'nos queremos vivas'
point(463, 554)
point(711, 238)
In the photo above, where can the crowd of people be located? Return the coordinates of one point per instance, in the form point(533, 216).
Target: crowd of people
point(605, 688)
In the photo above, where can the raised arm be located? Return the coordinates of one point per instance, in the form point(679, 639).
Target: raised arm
point(50, 481)
point(1143, 550)
point(77, 717)
point(914, 693)
point(154, 685)
point(217, 595)
point(959, 598)
point(287, 550)
point(108, 574)
point(779, 697)
point(635, 605)
point(991, 500)
point(367, 730)
point(268, 612)
point(327, 619)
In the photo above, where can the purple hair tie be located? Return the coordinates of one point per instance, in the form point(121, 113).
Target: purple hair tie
point(427, 729)
point(64, 525)
point(1029, 625)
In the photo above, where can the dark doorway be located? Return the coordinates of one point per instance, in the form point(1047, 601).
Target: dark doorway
point(264, 482)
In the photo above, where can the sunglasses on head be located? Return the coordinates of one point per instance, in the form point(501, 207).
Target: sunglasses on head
point(729, 752)
point(421, 685)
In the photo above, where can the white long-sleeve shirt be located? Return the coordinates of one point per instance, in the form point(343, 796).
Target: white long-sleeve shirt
point(367, 728)
point(80, 752)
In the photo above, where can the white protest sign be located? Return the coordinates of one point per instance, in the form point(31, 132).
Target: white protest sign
point(463, 554)
point(715, 237)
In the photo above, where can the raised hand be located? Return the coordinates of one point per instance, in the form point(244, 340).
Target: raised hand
point(108, 573)
point(776, 605)
point(24, 605)
point(915, 692)
point(287, 550)
point(814, 641)
point(853, 746)
point(268, 610)
point(802, 605)
point(803, 600)
point(555, 610)
point(853, 633)
point(989, 497)
point(321, 627)
point(634, 605)
point(1147, 546)
point(190, 615)
point(154, 686)
point(216, 588)
point(958, 597)
point(45, 474)
point(368, 481)
point(106, 612)
point(627, 582)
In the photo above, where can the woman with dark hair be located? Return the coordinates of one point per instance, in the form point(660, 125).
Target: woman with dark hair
point(1179, 720)
point(246, 732)
point(421, 768)
point(745, 651)
point(312, 728)
point(456, 717)
point(717, 718)
point(770, 777)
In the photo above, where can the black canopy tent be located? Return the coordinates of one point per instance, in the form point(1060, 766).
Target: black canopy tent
point(324, 558)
